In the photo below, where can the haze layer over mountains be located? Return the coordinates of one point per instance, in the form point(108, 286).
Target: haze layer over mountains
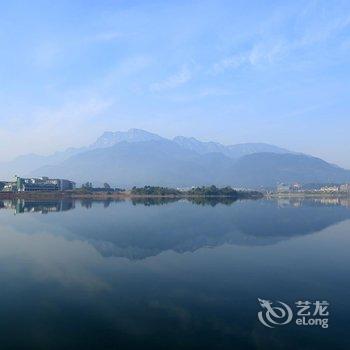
point(137, 158)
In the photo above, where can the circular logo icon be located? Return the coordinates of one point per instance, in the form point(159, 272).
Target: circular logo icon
point(277, 315)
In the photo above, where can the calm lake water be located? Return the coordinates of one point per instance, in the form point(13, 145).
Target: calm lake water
point(171, 275)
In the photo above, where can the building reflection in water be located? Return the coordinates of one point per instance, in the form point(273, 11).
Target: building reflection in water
point(325, 201)
point(37, 206)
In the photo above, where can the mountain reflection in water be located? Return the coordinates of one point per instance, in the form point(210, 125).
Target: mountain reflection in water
point(170, 274)
point(184, 225)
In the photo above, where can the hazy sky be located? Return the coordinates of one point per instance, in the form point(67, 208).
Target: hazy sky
point(230, 71)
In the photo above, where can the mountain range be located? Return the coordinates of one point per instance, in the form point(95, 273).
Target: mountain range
point(137, 157)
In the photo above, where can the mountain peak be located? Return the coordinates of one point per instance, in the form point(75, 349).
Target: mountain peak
point(110, 138)
point(200, 147)
point(232, 151)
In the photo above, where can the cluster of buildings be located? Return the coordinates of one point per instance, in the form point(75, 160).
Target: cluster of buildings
point(43, 184)
point(286, 188)
point(296, 187)
point(345, 188)
point(43, 206)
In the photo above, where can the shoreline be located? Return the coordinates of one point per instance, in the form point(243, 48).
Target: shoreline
point(107, 196)
point(128, 195)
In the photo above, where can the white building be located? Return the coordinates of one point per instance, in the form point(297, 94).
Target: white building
point(329, 189)
point(43, 184)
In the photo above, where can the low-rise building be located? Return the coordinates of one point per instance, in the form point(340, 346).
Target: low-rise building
point(345, 188)
point(9, 187)
point(283, 188)
point(296, 187)
point(329, 189)
point(43, 184)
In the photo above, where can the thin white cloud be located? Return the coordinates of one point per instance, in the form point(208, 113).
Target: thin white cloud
point(271, 47)
point(266, 53)
point(105, 36)
point(260, 53)
point(231, 62)
point(319, 33)
point(131, 66)
point(181, 77)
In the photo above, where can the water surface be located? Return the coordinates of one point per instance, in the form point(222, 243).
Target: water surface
point(163, 274)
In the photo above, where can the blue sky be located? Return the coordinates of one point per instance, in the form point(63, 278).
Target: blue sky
point(230, 71)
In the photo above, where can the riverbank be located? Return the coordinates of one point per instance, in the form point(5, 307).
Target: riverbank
point(114, 195)
point(128, 195)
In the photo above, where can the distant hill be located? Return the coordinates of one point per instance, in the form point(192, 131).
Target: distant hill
point(138, 163)
point(232, 151)
point(25, 164)
point(268, 169)
point(137, 157)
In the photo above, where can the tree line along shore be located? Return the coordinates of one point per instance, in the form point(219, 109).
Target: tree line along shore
point(87, 191)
